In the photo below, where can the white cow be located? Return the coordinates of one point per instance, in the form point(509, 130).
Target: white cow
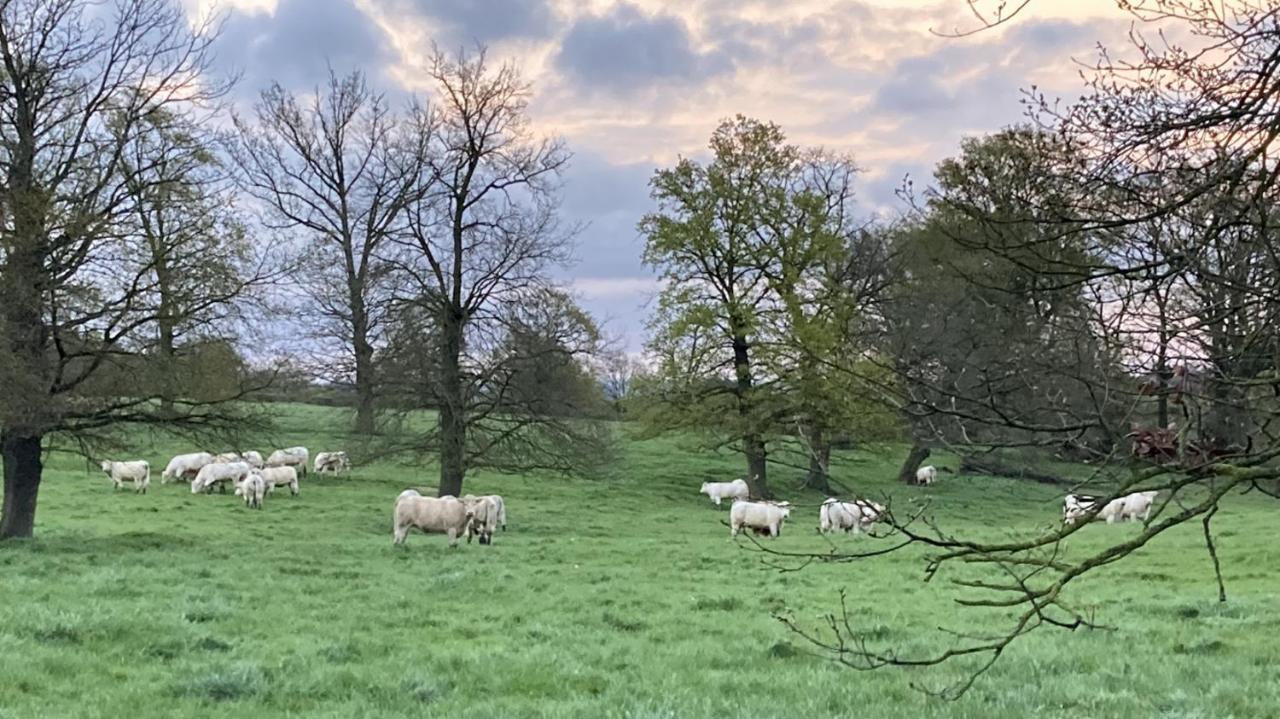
point(856, 516)
point(1136, 505)
point(441, 515)
point(220, 473)
point(484, 517)
point(138, 471)
point(737, 489)
point(274, 477)
point(295, 457)
point(927, 475)
point(764, 517)
point(332, 461)
point(185, 466)
point(253, 489)
point(254, 459)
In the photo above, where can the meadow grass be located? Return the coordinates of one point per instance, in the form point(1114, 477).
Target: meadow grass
point(619, 597)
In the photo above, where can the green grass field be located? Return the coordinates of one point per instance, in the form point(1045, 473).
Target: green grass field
point(617, 598)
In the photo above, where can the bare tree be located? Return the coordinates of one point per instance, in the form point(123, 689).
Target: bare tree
point(618, 373)
point(76, 310)
point(343, 170)
point(477, 249)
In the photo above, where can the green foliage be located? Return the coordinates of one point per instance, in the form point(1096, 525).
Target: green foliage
point(987, 322)
point(543, 371)
point(305, 609)
point(761, 322)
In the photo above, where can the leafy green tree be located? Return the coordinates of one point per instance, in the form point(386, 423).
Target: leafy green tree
point(80, 85)
point(705, 241)
point(825, 273)
point(994, 348)
point(203, 267)
point(770, 300)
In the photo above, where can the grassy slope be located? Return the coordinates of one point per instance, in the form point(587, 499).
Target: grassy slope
point(605, 599)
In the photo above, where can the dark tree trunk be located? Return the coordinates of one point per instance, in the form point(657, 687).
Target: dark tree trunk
point(752, 444)
point(1162, 408)
point(23, 283)
point(819, 460)
point(918, 454)
point(988, 465)
point(757, 466)
point(22, 472)
point(168, 370)
point(453, 419)
point(366, 399)
point(1163, 373)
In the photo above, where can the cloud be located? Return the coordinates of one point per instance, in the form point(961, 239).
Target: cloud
point(621, 305)
point(297, 43)
point(632, 84)
point(914, 87)
point(609, 200)
point(600, 288)
point(486, 21)
point(625, 49)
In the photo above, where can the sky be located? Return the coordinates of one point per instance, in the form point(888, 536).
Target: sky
point(633, 86)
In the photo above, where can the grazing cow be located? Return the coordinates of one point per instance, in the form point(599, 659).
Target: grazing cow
point(138, 471)
point(296, 457)
point(927, 475)
point(764, 517)
point(441, 515)
point(274, 477)
point(332, 462)
point(253, 488)
point(220, 474)
point(185, 466)
point(1136, 505)
point(737, 489)
point(856, 516)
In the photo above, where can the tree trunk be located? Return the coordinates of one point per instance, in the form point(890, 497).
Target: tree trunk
point(819, 460)
point(366, 400)
point(1163, 373)
point(918, 454)
point(22, 293)
point(453, 420)
point(757, 466)
point(752, 444)
point(167, 368)
point(22, 472)
point(166, 320)
point(975, 465)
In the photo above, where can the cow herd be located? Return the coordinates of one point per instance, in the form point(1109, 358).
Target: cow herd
point(857, 516)
point(250, 476)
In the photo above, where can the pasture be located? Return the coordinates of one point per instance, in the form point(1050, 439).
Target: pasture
point(621, 597)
